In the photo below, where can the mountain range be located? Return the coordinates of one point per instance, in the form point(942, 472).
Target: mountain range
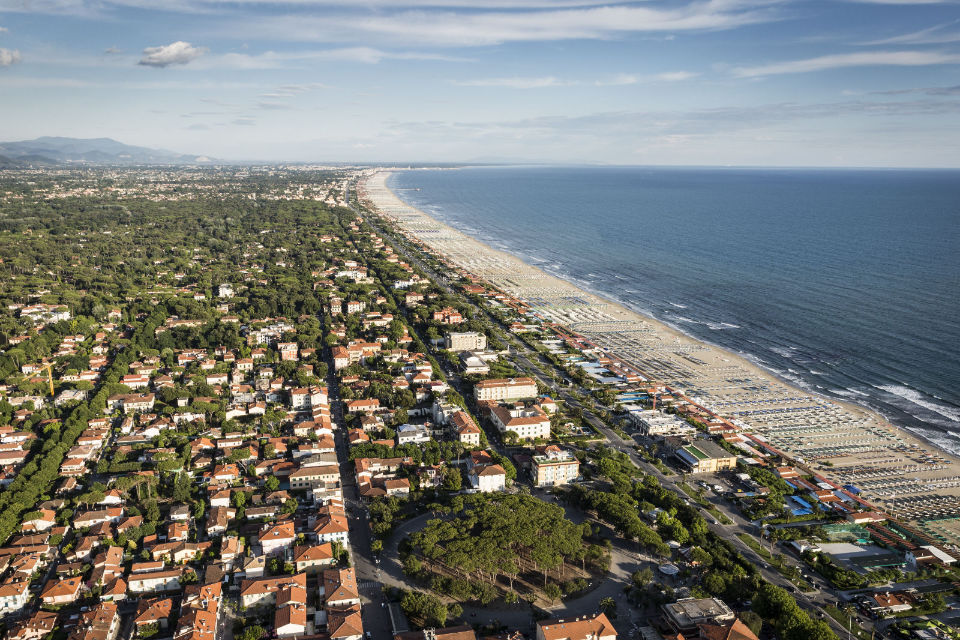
point(98, 151)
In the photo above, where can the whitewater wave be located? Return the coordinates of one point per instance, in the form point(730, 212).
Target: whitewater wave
point(785, 352)
point(922, 400)
point(677, 305)
point(946, 440)
point(720, 326)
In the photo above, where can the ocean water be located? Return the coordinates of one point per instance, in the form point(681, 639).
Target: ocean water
point(843, 282)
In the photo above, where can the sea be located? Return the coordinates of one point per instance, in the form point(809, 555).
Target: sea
point(843, 282)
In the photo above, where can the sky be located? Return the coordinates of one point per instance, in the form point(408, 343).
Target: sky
point(652, 82)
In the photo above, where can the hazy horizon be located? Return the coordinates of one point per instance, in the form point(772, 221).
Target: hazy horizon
point(747, 83)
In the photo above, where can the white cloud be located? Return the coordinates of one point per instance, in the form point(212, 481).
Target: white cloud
point(179, 52)
point(666, 76)
point(872, 58)
point(9, 57)
point(4, 30)
point(618, 80)
point(676, 76)
point(515, 83)
point(277, 60)
point(907, 2)
point(273, 106)
point(113, 51)
point(934, 35)
point(451, 28)
point(91, 7)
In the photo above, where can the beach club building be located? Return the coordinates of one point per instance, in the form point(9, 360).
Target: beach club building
point(705, 456)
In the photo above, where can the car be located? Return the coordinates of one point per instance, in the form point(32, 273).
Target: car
point(369, 635)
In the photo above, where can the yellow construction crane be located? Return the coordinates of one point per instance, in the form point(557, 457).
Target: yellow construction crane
point(48, 367)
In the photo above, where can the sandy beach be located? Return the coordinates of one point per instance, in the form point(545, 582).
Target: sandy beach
point(895, 469)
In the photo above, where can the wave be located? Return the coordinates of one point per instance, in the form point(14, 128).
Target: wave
point(720, 326)
point(921, 400)
point(943, 439)
point(677, 305)
point(785, 352)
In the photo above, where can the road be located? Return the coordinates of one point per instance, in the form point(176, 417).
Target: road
point(376, 620)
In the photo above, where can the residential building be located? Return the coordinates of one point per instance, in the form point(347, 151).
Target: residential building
point(463, 632)
point(686, 615)
point(153, 611)
point(887, 603)
point(61, 591)
point(14, 596)
point(595, 627)
point(735, 630)
point(465, 429)
point(36, 627)
point(505, 389)
point(344, 623)
point(263, 592)
point(312, 559)
point(153, 581)
point(465, 341)
point(339, 588)
point(308, 477)
point(552, 466)
point(471, 364)
point(276, 538)
point(447, 315)
point(413, 433)
point(527, 421)
point(486, 478)
point(655, 423)
point(99, 623)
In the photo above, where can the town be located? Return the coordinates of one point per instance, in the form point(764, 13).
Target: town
point(240, 403)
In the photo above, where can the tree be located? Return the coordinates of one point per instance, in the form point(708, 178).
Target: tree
point(254, 632)
point(181, 488)
point(424, 609)
point(752, 620)
point(272, 483)
point(642, 578)
point(452, 479)
point(412, 566)
point(609, 606)
point(552, 591)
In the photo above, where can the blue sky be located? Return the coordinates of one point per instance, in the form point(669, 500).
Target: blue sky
point(703, 82)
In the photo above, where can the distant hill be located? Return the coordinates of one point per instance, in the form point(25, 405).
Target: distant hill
point(51, 150)
point(7, 163)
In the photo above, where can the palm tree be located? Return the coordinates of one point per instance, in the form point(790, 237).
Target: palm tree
point(608, 605)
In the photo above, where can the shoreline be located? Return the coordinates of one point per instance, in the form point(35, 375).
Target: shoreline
point(927, 433)
point(647, 337)
point(752, 359)
point(648, 317)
